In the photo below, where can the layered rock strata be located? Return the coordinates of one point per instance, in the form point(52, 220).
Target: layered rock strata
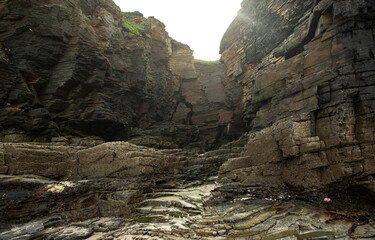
point(114, 159)
point(207, 111)
point(118, 209)
point(73, 183)
point(304, 171)
point(307, 68)
point(144, 193)
point(121, 160)
point(83, 68)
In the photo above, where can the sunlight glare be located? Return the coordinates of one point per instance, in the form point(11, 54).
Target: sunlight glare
point(199, 23)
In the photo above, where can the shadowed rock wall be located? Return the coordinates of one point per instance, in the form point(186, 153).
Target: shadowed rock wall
point(73, 68)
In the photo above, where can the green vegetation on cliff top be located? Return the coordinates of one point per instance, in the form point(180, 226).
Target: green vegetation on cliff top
point(133, 28)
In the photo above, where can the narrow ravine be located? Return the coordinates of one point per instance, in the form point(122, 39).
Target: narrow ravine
point(110, 129)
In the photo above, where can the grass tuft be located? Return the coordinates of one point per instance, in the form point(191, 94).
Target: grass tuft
point(133, 28)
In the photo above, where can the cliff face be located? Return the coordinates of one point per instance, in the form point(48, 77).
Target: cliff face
point(307, 68)
point(300, 73)
point(55, 56)
point(76, 68)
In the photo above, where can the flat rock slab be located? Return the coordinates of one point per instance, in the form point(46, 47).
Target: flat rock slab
point(72, 233)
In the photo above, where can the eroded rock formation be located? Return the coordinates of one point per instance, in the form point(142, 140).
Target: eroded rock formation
point(299, 74)
point(207, 107)
point(82, 68)
point(114, 159)
point(307, 68)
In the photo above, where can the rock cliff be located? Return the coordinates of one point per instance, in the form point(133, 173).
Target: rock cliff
point(298, 76)
point(83, 68)
point(307, 68)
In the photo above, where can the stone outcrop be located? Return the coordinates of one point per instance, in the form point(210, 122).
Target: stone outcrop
point(83, 68)
point(26, 198)
point(307, 69)
point(113, 159)
point(76, 73)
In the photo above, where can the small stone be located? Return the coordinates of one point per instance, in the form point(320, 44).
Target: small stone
point(327, 200)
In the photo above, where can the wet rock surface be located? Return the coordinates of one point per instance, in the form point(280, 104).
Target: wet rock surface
point(185, 201)
point(176, 210)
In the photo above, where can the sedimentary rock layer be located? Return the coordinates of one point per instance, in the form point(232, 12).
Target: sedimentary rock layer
point(83, 68)
point(304, 171)
point(307, 68)
point(114, 159)
point(184, 212)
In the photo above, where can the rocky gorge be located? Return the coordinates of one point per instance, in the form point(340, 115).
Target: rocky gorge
point(110, 129)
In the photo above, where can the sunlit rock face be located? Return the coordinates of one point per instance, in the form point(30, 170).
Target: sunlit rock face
point(307, 68)
point(74, 68)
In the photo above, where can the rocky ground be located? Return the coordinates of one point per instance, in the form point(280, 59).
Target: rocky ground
point(186, 211)
point(110, 129)
point(187, 202)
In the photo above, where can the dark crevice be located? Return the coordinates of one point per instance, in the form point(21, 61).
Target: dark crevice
point(314, 123)
point(371, 54)
point(188, 119)
point(358, 110)
point(312, 29)
point(248, 117)
point(29, 78)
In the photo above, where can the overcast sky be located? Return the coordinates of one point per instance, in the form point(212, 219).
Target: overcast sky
point(198, 23)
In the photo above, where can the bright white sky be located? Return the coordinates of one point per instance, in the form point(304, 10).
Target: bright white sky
point(199, 23)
